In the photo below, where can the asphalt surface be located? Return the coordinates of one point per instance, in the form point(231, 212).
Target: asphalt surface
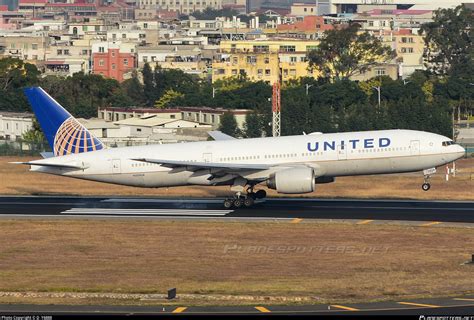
point(436, 306)
point(425, 212)
point(282, 208)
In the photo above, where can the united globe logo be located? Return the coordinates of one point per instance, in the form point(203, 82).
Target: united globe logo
point(73, 137)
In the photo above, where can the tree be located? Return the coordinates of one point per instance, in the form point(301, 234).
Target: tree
point(253, 125)
point(345, 52)
point(14, 76)
point(229, 125)
point(210, 13)
point(148, 85)
point(169, 96)
point(134, 90)
point(296, 113)
point(448, 40)
point(35, 134)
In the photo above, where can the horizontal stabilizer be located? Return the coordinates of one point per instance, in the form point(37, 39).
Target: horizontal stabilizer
point(218, 136)
point(47, 155)
point(53, 165)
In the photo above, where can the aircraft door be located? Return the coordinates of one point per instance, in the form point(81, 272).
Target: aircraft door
point(341, 152)
point(116, 166)
point(415, 147)
point(207, 157)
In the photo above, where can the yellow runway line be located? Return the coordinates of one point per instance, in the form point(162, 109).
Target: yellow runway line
point(419, 304)
point(430, 224)
point(344, 307)
point(296, 220)
point(365, 222)
point(179, 309)
point(262, 309)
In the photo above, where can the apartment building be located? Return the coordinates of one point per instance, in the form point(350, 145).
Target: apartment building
point(267, 60)
point(113, 60)
point(303, 9)
point(187, 58)
point(71, 9)
point(32, 8)
point(181, 6)
point(409, 48)
point(26, 46)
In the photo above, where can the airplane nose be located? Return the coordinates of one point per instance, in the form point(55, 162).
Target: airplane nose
point(460, 151)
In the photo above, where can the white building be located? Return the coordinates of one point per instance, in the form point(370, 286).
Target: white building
point(353, 6)
point(13, 125)
point(182, 6)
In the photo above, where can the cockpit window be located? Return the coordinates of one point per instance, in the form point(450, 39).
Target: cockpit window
point(447, 143)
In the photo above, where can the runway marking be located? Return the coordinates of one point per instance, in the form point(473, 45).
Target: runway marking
point(296, 220)
point(169, 212)
point(162, 200)
point(463, 299)
point(262, 309)
point(108, 216)
point(179, 309)
point(430, 224)
point(419, 304)
point(344, 307)
point(365, 222)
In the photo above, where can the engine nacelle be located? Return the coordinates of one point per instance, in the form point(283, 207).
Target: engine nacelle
point(296, 180)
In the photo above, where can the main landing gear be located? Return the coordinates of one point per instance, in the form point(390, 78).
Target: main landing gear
point(246, 200)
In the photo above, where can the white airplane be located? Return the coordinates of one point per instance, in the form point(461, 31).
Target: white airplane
point(290, 164)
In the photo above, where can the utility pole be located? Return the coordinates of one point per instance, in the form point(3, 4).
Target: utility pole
point(276, 109)
point(378, 88)
point(307, 88)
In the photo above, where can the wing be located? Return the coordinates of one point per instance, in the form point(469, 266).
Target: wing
point(218, 135)
point(254, 172)
point(193, 166)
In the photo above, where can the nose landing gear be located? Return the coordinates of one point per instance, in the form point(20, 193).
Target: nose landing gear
point(426, 181)
point(426, 186)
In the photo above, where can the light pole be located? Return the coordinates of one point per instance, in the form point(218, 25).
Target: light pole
point(307, 87)
point(378, 88)
point(214, 90)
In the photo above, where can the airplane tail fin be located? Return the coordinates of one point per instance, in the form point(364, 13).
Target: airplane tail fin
point(64, 133)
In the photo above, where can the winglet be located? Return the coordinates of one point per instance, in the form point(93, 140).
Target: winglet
point(218, 135)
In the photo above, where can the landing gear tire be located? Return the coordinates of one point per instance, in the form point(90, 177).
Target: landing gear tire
point(238, 202)
point(228, 203)
point(425, 186)
point(260, 194)
point(249, 201)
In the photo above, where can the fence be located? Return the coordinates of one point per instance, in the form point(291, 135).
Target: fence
point(22, 148)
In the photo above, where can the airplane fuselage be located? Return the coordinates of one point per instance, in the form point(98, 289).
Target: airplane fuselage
point(330, 155)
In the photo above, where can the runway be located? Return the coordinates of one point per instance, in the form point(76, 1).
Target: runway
point(268, 209)
point(459, 306)
point(429, 213)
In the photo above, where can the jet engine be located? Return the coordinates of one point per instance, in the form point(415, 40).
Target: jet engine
point(295, 180)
